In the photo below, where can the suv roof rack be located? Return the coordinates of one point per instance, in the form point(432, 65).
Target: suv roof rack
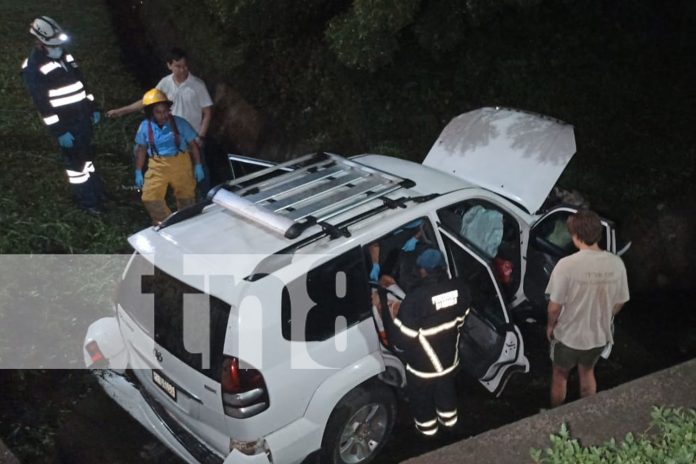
point(319, 186)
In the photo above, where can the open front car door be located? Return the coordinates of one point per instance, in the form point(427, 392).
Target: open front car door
point(490, 345)
point(549, 241)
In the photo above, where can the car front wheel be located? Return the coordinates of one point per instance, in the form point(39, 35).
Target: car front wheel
point(359, 425)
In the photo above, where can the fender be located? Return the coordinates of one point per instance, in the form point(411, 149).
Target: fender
point(107, 334)
point(329, 393)
point(394, 373)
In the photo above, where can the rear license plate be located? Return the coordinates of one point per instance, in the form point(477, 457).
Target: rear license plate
point(164, 384)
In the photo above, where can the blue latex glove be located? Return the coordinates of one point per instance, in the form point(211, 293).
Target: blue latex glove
point(374, 273)
point(198, 172)
point(139, 181)
point(410, 244)
point(96, 117)
point(66, 140)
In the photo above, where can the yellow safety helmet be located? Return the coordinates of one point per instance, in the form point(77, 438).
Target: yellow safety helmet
point(155, 96)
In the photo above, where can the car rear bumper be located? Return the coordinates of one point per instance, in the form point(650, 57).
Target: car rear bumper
point(138, 403)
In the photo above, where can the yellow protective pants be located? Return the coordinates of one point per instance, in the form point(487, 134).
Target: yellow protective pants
point(165, 171)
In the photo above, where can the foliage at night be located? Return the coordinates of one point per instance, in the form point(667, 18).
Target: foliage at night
point(350, 76)
point(673, 441)
point(385, 76)
point(36, 213)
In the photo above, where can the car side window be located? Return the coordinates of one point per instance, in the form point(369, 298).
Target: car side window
point(336, 289)
point(551, 235)
point(397, 251)
point(492, 232)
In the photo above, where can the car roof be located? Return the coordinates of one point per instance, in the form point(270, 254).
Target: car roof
point(218, 231)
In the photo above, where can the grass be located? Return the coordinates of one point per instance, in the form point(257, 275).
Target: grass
point(37, 216)
point(36, 211)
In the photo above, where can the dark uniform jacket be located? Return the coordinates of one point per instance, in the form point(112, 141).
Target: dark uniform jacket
point(58, 90)
point(427, 326)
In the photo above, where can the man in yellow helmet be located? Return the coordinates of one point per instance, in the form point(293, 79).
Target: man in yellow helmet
point(190, 100)
point(170, 143)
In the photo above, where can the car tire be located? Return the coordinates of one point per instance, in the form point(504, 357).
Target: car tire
point(359, 425)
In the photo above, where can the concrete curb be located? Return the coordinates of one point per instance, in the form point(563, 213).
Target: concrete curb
point(6, 456)
point(593, 420)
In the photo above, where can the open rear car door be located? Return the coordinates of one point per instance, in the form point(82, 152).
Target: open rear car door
point(490, 346)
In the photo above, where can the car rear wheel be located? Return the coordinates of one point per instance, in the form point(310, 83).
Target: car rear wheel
point(359, 425)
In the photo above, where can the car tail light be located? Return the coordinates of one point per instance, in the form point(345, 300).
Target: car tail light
point(244, 392)
point(95, 354)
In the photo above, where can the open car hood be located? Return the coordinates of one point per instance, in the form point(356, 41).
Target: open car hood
point(517, 154)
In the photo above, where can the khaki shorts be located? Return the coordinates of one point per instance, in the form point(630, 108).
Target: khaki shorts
point(567, 358)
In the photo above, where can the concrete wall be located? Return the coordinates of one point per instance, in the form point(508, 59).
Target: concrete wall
point(593, 420)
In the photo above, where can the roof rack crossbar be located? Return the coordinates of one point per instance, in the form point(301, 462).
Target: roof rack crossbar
point(281, 176)
point(341, 202)
point(319, 187)
point(292, 184)
point(241, 181)
point(306, 196)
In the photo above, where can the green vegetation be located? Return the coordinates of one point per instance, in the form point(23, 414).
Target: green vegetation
point(365, 76)
point(38, 217)
point(36, 212)
point(386, 76)
point(673, 442)
point(348, 76)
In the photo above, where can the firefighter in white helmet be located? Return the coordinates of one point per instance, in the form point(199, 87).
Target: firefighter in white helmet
point(58, 90)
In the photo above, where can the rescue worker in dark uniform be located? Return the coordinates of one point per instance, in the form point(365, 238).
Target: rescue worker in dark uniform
point(425, 333)
point(57, 87)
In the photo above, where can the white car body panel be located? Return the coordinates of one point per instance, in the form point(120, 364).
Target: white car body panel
point(508, 158)
point(516, 154)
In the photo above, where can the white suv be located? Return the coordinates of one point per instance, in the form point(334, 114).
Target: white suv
point(244, 330)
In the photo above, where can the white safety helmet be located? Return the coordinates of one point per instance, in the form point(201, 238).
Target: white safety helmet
point(48, 31)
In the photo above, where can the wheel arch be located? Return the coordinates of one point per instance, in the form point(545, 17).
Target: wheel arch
point(330, 393)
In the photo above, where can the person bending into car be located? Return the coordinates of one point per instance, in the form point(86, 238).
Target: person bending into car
point(395, 255)
point(165, 141)
point(425, 331)
point(586, 290)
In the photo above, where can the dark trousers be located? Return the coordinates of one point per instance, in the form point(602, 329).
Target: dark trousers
point(87, 186)
point(433, 402)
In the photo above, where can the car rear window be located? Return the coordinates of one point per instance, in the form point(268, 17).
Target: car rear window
point(337, 288)
point(145, 283)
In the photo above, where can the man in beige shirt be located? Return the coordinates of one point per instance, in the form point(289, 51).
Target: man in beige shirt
point(586, 290)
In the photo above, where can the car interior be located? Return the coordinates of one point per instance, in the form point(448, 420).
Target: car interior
point(492, 233)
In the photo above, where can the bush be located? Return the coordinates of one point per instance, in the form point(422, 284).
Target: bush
point(674, 442)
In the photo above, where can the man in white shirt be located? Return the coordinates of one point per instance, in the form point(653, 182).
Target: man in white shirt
point(190, 100)
point(586, 290)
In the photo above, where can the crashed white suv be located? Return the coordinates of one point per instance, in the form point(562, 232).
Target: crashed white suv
point(244, 330)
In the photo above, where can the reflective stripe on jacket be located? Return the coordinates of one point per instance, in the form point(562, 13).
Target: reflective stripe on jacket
point(57, 88)
point(427, 326)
